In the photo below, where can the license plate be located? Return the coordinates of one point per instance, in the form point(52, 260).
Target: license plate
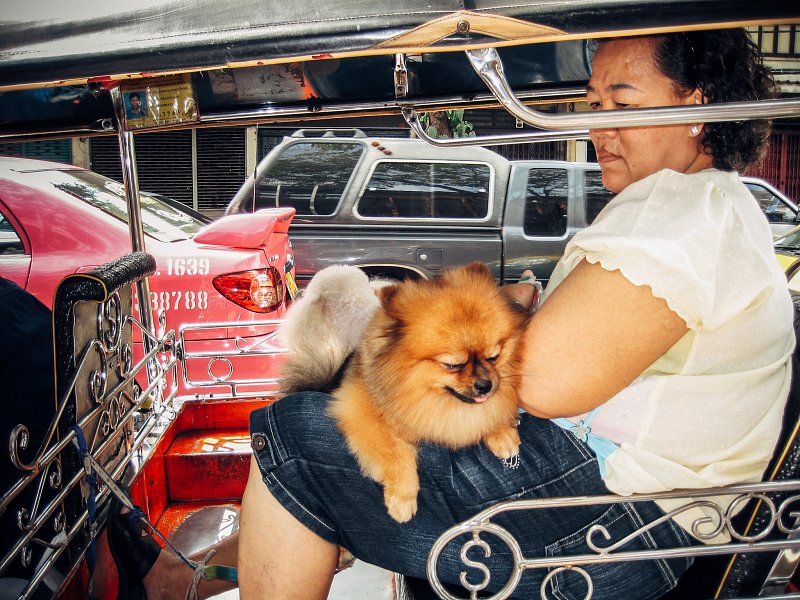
point(291, 286)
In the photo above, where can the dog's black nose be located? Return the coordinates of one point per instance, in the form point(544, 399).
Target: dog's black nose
point(483, 386)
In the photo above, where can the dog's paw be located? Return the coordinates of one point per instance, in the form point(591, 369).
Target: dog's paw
point(401, 507)
point(504, 443)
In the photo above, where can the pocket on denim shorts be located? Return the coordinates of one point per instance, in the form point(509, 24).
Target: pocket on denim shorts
point(640, 580)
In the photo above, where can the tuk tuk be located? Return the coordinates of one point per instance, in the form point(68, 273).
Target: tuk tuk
point(85, 69)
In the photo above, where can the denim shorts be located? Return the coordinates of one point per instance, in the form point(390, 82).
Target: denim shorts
point(306, 465)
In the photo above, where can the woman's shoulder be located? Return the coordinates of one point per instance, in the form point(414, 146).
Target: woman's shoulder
point(668, 194)
point(671, 183)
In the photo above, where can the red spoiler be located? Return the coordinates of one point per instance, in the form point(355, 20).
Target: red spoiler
point(249, 230)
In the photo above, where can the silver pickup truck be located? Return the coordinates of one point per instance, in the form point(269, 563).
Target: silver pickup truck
point(403, 208)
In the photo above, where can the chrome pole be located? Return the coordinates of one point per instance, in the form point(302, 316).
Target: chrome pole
point(130, 182)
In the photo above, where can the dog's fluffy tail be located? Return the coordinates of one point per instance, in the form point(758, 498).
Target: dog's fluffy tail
point(316, 354)
point(324, 327)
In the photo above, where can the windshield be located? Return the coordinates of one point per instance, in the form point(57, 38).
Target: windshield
point(790, 240)
point(164, 219)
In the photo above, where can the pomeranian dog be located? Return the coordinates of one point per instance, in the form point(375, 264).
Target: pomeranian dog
point(436, 361)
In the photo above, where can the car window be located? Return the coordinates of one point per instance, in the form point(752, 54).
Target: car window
point(546, 197)
point(10, 242)
point(597, 196)
point(164, 221)
point(427, 190)
point(775, 210)
point(309, 176)
point(790, 240)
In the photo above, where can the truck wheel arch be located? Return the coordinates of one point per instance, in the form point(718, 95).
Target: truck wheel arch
point(393, 272)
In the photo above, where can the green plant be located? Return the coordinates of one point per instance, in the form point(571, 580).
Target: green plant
point(449, 124)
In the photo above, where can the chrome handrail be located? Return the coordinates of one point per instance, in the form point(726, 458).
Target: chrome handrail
point(487, 64)
point(410, 115)
point(782, 517)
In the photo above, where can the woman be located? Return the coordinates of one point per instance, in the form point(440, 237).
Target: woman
point(659, 360)
point(643, 319)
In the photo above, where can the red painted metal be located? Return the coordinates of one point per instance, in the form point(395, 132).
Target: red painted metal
point(781, 165)
point(181, 289)
point(177, 513)
point(208, 465)
point(207, 447)
point(219, 414)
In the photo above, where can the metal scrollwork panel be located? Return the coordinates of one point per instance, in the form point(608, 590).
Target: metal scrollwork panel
point(104, 388)
point(713, 514)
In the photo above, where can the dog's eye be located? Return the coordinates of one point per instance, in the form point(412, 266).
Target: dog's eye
point(492, 359)
point(454, 367)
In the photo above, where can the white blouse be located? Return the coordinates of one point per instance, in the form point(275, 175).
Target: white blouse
point(708, 412)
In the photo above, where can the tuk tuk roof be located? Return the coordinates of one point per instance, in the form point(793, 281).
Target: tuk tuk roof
point(59, 59)
point(52, 42)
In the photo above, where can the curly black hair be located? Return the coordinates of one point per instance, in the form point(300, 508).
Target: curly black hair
point(726, 66)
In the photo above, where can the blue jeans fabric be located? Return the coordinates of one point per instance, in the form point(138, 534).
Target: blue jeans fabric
point(308, 468)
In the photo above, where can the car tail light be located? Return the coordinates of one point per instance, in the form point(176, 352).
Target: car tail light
point(258, 290)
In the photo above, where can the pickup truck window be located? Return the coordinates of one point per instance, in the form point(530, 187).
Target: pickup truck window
point(309, 176)
point(596, 195)
point(427, 190)
point(546, 203)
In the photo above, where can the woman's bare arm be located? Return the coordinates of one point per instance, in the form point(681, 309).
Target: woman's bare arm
point(593, 336)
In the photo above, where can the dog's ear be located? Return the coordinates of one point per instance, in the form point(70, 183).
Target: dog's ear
point(470, 272)
point(478, 268)
point(392, 310)
point(388, 295)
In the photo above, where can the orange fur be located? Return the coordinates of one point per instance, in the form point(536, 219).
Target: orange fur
point(399, 391)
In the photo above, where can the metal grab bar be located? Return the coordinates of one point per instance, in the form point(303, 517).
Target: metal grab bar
point(488, 66)
point(410, 115)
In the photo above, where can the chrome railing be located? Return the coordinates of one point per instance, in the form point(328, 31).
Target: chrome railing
point(716, 522)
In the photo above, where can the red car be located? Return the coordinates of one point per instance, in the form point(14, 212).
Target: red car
point(57, 219)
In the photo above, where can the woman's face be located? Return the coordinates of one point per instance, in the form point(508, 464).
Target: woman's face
point(624, 75)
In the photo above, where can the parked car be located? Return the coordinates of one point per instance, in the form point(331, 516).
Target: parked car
point(787, 251)
point(58, 219)
point(403, 208)
point(780, 211)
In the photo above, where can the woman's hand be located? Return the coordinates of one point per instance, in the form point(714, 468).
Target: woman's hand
point(523, 293)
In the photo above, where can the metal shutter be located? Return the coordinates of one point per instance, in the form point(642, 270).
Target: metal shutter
point(163, 160)
point(220, 167)
point(164, 164)
point(55, 150)
point(104, 157)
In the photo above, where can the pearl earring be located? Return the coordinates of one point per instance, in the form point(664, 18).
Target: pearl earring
point(695, 130)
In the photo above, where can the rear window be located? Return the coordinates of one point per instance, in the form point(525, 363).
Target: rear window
point(308, 176)
point(427, 190)
point(546, 198)
point(165, 220)
point(10, 242)
point(597, 196)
